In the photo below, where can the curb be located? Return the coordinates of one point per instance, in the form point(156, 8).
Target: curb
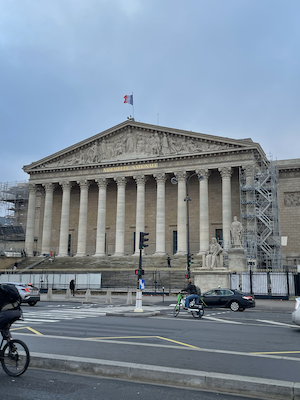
point(225, 383)
point(132, 314)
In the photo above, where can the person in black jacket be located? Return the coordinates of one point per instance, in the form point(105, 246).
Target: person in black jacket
point(72, 287)
point(192, 293)
point(7, 316)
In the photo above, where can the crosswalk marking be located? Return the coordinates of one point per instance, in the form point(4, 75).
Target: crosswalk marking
point(55, 315)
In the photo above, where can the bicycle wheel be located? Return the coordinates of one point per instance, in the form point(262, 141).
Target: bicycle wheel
point(176, 310)
point(16, 357)
point(198, 313)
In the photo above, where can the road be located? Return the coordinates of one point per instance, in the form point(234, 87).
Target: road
point(257, 343)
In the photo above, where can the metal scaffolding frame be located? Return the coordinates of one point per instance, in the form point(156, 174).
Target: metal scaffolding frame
point(260, 214)
point(14, 201)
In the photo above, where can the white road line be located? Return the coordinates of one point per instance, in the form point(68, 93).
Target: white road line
point(222, 320)
point(276, 323)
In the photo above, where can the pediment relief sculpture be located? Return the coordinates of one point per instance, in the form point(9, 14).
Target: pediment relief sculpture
point(135, 145)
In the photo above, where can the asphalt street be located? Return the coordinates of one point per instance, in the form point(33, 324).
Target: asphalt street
point(260, 343)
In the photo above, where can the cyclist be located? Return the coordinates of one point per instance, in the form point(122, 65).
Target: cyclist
point(8, 314)
point(192, 293)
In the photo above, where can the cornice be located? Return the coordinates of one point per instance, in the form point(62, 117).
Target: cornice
point(237, 156)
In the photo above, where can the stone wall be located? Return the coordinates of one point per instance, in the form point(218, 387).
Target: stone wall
point(289, 202)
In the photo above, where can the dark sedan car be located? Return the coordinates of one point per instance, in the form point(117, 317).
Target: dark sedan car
point(228, 298)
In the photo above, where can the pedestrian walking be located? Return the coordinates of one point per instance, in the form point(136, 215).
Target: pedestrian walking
point(169, 261)
point(72, 287)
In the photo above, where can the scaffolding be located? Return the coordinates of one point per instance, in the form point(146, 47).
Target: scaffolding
point(14, 203)
point(260, 214)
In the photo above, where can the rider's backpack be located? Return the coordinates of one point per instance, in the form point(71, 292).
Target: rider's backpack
point(12, 299)
point(198, 290)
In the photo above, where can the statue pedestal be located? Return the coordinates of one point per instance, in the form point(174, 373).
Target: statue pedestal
point(237, 260)
point(208, 279)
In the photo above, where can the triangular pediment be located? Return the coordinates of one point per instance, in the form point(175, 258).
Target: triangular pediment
point(131, 141)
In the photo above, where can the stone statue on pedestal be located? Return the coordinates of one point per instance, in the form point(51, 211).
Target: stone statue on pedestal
point(213, 255)
point(236, 231)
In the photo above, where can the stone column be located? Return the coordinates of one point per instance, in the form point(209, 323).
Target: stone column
point(46, 238)
point(29, 240)
point(160, 214)
point(140, 210)
point(226, 205)
point(181, 213)
point(65, 217)
point(120, 220)
point(101, 219)
point(203, 211)
point(82, 223)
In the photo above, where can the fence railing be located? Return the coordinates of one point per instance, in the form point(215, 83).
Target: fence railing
point(273, 284)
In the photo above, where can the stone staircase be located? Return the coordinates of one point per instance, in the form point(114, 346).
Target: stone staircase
point(117, 272)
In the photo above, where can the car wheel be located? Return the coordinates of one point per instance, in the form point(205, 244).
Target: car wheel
point(234, 306)
point(32, 303)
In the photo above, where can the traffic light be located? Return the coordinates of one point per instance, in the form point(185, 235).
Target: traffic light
point(139, 272)
point(143, 239)
point(190, 259)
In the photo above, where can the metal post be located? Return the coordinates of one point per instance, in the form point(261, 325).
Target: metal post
point(188, 226)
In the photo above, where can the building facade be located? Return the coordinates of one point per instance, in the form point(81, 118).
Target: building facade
point(93, 198)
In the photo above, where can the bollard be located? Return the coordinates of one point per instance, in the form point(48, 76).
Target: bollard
point(129, 298)
point(108, 296)
point(68, 294)
point(49, 294)
point(88, 295)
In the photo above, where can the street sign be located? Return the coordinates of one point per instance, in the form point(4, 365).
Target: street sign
point(142, 284)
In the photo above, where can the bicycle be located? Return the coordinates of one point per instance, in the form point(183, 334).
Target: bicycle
point(14, 356)
point(197, 310)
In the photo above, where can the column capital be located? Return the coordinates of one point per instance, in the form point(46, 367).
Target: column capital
point(140, 179)
point(121, 181)
point(32, 187)
point(204, 172)
point(84, 184)
point(101, 182)
point(66, 185)
point(249, 170)
point(160, 177)
point(49, 187)
point(180, 175)
point(225, 172)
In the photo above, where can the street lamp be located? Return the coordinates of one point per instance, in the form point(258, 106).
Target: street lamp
point(187, 198)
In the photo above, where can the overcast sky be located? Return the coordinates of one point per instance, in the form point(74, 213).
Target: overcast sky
point(221, 67)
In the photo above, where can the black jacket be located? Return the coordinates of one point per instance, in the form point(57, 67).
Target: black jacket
point(191, 289)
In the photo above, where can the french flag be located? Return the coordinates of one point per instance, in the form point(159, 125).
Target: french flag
point(128, 99)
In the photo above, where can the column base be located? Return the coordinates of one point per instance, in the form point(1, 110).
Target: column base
point(159, 254)
point(118, 255)
point(80, 255)
point(99, 255)
point(63, 255)
point(181, 253)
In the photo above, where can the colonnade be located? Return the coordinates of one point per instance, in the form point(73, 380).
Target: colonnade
point(140, 180)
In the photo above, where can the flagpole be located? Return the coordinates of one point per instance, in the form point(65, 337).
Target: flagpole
point(132, 107)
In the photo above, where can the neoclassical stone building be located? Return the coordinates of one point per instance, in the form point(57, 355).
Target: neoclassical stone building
point(93, 198)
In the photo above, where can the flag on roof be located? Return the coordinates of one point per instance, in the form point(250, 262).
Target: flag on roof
point(128, 99)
